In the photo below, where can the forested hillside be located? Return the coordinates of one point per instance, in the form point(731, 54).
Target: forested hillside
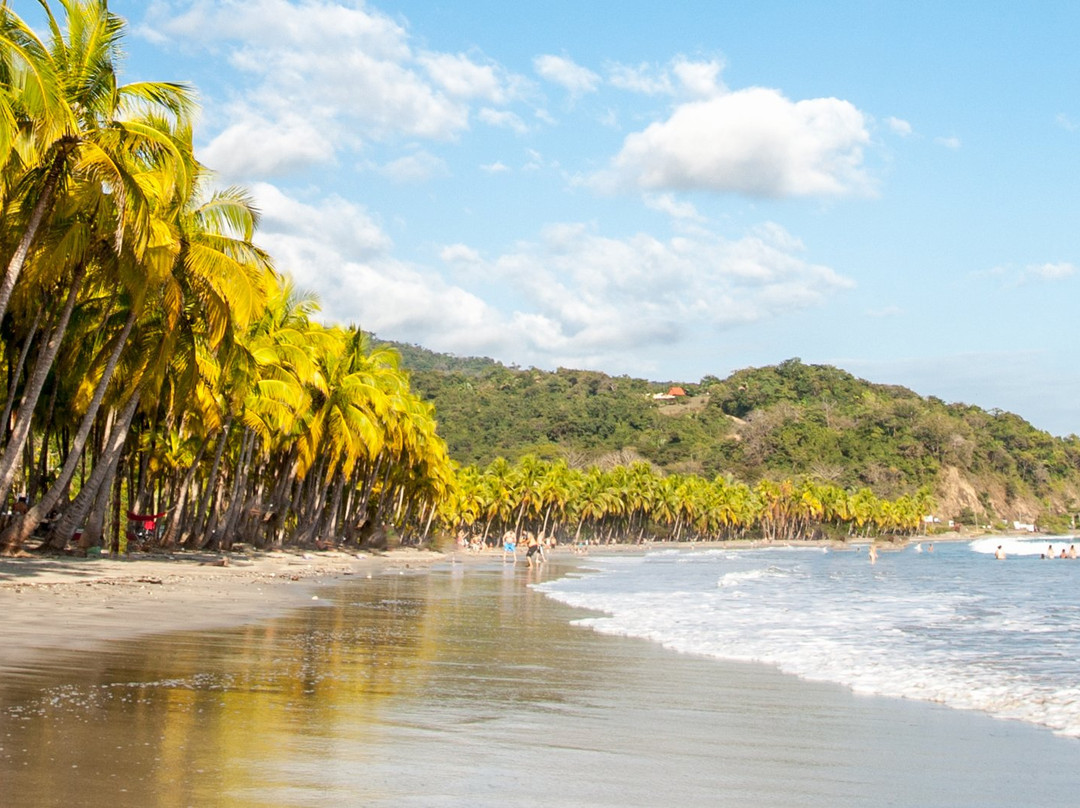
point(791, 420)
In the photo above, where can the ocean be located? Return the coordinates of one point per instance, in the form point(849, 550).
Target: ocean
point(946, 623)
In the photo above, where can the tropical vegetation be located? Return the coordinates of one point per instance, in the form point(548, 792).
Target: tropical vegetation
point(635, 503)
point(155, 362)
point(791, 421)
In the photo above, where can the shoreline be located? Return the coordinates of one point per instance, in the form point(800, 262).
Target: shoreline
point(71, 604)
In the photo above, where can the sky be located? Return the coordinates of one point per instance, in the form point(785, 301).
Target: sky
point(662, 190)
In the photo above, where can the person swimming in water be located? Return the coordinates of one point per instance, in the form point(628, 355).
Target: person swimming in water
point(999, 554)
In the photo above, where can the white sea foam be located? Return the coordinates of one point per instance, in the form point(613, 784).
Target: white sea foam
point(954, 627)
point(736, 578)
point(1025, 545)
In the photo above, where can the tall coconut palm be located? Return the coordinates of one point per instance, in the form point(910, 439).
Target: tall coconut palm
point(83, 124)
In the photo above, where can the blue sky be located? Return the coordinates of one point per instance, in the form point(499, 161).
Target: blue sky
point(663, 190)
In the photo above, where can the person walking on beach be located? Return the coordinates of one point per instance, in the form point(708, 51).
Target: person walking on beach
point(535, 553)
point(510, 545)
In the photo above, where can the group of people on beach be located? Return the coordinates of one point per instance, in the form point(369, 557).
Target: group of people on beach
point(534, 547)
point(999, 553)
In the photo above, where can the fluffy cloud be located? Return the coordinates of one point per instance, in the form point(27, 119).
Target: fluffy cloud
point(255, 146)
point(572, 297)
point(577, 80)
point(314, 232)
point(336, 250)
point(754, 142)
point(586, 299)
point(323, 76)
point(463, 78)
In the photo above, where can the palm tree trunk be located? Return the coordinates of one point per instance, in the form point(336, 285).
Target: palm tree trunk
point(19, 368)
point(202, 516)
point(18, 258)
point(236, 497)
point(34, 384)
point(74, 515)
point(180, 501)
point(18, 532)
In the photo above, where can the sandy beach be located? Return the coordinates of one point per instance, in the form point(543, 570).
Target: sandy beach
point(441, 680)
point(66, 603)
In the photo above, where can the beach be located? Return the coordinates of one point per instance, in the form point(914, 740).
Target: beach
point(65, 603)
point(445, 680)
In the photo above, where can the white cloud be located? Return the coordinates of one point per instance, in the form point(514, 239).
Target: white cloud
point(948, 142)
point(459, 253)
point(416, 167)
point(572, 297)
point(335, 249)
point(585, 298)
point(754, 142)
point(319, 76)
point(666, 203)
point(494, 168)
point(643, 78)
point(681, 76)
point(1011, 277)
point(331, 226)
point(254, 146)
point(1066, 123)
point(1050, 272)
point(701, 79)
point(574, 78)
point(899, 126)
point(502, 118)
point(463, 78)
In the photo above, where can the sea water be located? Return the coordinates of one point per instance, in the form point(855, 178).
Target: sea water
point(946, 623)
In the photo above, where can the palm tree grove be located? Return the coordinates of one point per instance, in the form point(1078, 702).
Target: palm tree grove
point(157, 362)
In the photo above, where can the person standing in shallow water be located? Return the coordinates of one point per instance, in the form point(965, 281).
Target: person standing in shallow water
point(510, 545)
point(534, 554)
point(873, 553)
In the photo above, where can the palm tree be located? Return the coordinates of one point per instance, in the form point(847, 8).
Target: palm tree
point(85, 127)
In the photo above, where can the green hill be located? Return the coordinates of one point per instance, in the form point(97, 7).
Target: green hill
point(788, 420)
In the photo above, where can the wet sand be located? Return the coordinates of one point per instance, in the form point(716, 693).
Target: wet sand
point(462, 686)
point(64, 603)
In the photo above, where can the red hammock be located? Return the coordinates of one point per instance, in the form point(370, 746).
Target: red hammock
point(148, 520)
